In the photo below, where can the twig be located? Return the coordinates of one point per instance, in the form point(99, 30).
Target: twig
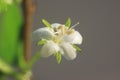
point(28, 9)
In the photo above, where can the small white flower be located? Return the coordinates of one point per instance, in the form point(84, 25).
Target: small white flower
point(58, 38)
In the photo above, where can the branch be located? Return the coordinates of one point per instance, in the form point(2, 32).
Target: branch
point(28, 9)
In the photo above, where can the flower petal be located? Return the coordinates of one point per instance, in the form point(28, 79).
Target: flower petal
point(49, 48)
point(43, 33)
point(55, 25)
point(74, 38)
point(68, 51)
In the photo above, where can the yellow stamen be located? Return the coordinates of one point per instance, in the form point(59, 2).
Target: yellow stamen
point(70, 31)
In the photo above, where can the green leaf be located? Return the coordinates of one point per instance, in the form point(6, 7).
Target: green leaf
point(58, 57)
point(21, 61)
point(68, 23)
point(3, 5)
point(77, 48)
point(10, 27)
point(46, 23)
point(41, 42)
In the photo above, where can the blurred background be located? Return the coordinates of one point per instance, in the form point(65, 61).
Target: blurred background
point(100, 28)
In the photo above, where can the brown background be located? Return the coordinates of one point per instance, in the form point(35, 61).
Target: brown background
point(100, 28)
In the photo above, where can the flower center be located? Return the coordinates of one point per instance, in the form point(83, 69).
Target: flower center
point(60, 32)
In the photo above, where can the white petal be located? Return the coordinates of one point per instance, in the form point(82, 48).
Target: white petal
point(55, 25)
point(49, 48)
point(74, 38)
point(42, 33)
point(69, 51)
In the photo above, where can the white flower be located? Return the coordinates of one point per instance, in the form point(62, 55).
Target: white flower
point(58, 38)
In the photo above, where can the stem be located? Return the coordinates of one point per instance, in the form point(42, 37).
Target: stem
point(27, 11)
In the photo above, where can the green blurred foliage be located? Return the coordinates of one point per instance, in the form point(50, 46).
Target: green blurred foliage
point(3, 5)
point(10, 27)
point(12, 61)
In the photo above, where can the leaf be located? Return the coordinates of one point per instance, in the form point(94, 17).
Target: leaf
point(68, 23)
point(46, 23)
point(41, 42)
point(9, 33)
point(58, 57)
point(21, 61)
point(3, 5)
point(77, 48)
